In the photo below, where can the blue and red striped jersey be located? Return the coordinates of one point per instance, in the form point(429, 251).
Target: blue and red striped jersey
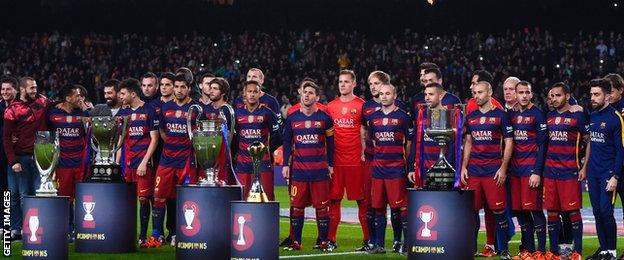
point(529, 141)
point(257, 125)
point(177, 147)
point(141, 121)
point(606, 151)
point(488, 131)
point(72, 138)
point(310, 140)
point(390, 133)
point(368, 108)
point(565, 133)
point(267, 100)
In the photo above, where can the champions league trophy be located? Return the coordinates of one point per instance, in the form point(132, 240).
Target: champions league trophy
point(46, 160)
point(442, 129)
point(256, 193)
point(108, 133)
point(207, 140)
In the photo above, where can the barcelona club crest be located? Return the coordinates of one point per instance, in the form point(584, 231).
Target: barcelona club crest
point(353, 111)
point(260, 119)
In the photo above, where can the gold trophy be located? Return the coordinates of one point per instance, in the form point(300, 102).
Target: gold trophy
point(256, 193)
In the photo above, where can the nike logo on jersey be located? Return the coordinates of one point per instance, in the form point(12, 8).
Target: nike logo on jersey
point(297, 125)
point(571, 203)
point(527, 204)
point(499, 203)
point(398, 202)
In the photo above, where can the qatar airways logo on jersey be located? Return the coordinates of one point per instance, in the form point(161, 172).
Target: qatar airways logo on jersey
point(520, 135)
point(597, 137)
point(344, 122)
point(482, 135)
point(251, 133)
point(68, 132)
point(135, 131)
point(384, 136)
point(176, 128)
point(558, 136)
point(307, 139)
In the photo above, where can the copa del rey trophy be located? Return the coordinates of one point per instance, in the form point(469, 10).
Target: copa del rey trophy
point(207, 139)
point(256, 193)
point(108, 133)
point(46, 159)
point(442, 128)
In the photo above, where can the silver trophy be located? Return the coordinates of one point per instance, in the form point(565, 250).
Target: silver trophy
point(207, 139)
point(46, 159)
point(441, 128)
point(108, 133)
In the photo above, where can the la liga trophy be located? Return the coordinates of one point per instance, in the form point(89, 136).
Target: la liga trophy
point(441, 127)
point(207, 139)
point(256, 193)
point(46, 159)
point(107, 133)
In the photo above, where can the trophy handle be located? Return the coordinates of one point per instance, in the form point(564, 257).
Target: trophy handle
point(118, 142)
point(189, 119)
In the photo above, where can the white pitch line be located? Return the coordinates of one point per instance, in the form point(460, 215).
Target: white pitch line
point(320, 255)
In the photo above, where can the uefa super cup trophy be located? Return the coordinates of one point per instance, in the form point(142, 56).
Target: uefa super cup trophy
point(46, 160)
point(108, 133)
point(207, 139)
point(441, 128)
point(256, 194)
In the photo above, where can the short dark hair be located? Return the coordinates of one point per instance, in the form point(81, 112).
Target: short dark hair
point(168, 75)
point(205, 75)
point(83, 91)
point(603, 84)
point(565, 87)
point(224, 86)
point(67, 91)
point(524, 83)
point(428, 65)
point(483, 75)
point(150, 75)
point(251, 82)
point(182, 77)
point(310, 84)
point(617, 82)
point(131, 85)
point(187, 73)
point(434, 85)
point(347, 72)
point(23, 80)
point(10, 80)
point(112, 83)
point(436, 71)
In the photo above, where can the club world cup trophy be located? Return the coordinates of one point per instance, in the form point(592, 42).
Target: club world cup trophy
point(442, 128)
point(207, 139)
point(46, 160)
point(256, 194)
point(107, 133)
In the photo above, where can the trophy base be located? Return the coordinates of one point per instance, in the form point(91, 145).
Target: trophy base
point(105, 173)
point(258, 197)
point(441, 176)
point(46, 193)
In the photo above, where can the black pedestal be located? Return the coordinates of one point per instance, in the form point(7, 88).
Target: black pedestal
point(441, 224)
point(46, 224)
point(203, 221)
point(255, 230)
point(105, 217)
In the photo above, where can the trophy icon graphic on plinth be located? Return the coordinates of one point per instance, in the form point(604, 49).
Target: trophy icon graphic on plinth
point(46, 159)
point(207, 139)
point(442, 129)
point(256, 194)
point(108, 133)
point(426, 217)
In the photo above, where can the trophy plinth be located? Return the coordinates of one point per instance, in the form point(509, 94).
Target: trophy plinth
point(207, 141)
point(108, 134)
point(47, 153)
point(441, 129)
point(256, 192)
